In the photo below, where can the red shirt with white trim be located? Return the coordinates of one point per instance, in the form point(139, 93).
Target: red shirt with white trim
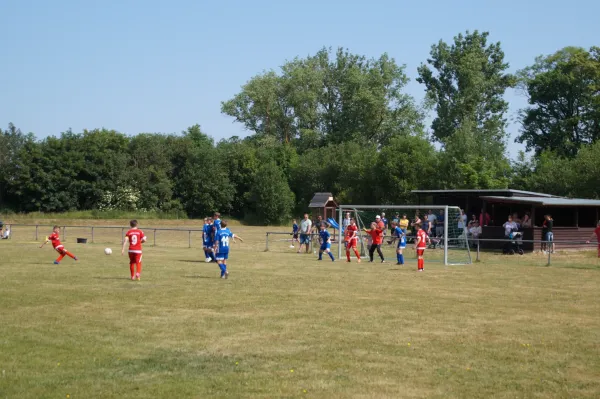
point(136, 236)
point(55, 240)
point(422, 235)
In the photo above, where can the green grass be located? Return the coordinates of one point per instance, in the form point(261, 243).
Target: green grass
point(287, 326)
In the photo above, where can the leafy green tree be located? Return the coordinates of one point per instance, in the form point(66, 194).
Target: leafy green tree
point(407, 163)
point(328, 98)
point(466, 82)
point(201, 181)
point(564, 96)
point(12, 140)
point(270, 198)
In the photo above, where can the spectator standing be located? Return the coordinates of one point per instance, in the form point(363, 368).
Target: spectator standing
point(472, 221)
point(404, 222)
point(597, 234)
point(385, 223)
point(346, 221)
point(461, 221)
point(544, 245)
point(426, 226)
point(439, 224)
point(526, 222)
point(305, 229)
point(379, 223)
point(549, 233)
point(484, 219)
point(432, 219)
point(396, 218)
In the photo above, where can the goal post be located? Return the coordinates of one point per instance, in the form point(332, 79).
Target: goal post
point(450, 242)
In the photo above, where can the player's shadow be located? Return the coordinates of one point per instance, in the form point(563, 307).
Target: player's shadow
point(112, 278)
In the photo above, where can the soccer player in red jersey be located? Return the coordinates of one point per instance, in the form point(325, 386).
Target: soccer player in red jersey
point(54, 238)
point(135, 237)
point(597, 234)
point(420, 245)
point(351, 239)
point(377, 237)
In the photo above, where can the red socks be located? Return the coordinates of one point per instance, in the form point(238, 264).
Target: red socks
point(421, 263)
point(132, 269)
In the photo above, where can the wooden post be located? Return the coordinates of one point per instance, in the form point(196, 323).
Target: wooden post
point(577, 217)
point(92, 234)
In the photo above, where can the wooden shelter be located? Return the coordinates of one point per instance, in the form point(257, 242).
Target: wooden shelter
point(323, 205)
point(574, 218)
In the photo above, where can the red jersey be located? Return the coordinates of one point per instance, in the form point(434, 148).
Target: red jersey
point(351, 232)
point(597, 232)
point(55, 240)
point(422, 235)
point(136, 236)
point(376, 235)
point(381, 225)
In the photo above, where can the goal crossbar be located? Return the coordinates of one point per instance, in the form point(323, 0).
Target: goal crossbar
point(346, 208)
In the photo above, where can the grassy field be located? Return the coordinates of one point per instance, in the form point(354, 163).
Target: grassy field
point(287, 326)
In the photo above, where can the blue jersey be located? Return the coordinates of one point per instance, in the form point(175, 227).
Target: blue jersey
point(295, 228)
point(222, 237)
point(385, 222)
point(217, 224)
point(325, 236)
point(207, 233)
point(401, 234)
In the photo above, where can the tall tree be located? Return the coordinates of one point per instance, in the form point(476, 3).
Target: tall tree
point(564, 96)
point(328, 98)
point(465, 82)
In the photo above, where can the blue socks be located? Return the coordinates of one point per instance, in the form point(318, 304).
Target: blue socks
point(331, 256)
point(223, 269)
point(401, 259)
point(320, 255)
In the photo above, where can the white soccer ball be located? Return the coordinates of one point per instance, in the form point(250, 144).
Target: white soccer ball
point(108, 251)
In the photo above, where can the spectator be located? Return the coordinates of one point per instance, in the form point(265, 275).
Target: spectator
point(516, 218)
point(526, 222)
point(404, 222)
point(396, 218)
point(544, 245)
point(305, 229)
point(346, 221)
point(484, 219)
point(475, 232)
point(597, 234)
point(379, 223)
point(317, 225)
point(439, 224)
point(472, 221)
point(426, 226)
point(549, 233)
point(6, 234)
point(461, 221)
point(509, 227)
point(385, 222)
point(432, 218)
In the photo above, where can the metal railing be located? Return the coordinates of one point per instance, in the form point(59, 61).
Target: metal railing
point(474, 244)
point(93, 229)
point(506, 241)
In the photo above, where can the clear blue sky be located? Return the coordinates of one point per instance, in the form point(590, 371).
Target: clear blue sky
point(161, 66)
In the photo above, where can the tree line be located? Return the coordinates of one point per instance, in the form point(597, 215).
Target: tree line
point(340, 122)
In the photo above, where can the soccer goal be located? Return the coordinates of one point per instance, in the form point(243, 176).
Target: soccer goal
point(449, 241)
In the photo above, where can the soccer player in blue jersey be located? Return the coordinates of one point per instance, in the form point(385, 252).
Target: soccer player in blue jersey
point(223, 240)
point(216, 226)
point(325, 242)
point(295, 230)
point(208, 240)
point(399, 233)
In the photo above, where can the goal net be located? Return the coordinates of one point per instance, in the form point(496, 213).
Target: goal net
point(447, 232)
